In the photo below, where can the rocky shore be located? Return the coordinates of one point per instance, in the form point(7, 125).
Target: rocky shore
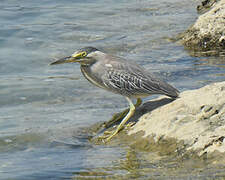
point(197, 119)
point(208, 33)
point(193, 124)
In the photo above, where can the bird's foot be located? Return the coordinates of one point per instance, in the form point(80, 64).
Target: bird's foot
point(124, 116)
point(129, 125)
point(107, 136)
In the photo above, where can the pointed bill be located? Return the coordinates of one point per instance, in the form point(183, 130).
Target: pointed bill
point(74, 58)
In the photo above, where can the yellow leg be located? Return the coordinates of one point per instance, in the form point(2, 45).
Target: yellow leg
point(118, 116)
point(126, 118)
point(138, 102)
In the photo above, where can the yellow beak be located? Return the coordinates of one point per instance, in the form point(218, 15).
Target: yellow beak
point(74, 58)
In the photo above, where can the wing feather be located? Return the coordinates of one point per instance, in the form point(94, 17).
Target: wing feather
point(133, 80)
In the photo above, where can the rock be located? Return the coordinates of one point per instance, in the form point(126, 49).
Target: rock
point(197, 119)
point(206, 5)
point(208, 32)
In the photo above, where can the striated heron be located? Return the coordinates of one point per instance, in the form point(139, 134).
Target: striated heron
point(119, 76)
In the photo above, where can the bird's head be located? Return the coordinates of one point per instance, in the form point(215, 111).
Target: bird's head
point(84, 56)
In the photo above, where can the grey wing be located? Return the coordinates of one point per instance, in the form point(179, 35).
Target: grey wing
point(122, 82)
point(132, 80)
point(157, 86)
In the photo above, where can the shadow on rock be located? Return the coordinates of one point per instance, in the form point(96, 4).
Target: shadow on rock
point(148, 107)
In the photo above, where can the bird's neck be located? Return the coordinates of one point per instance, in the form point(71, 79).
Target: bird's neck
point(88, 62)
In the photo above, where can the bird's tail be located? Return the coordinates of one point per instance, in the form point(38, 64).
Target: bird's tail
point(174, 94)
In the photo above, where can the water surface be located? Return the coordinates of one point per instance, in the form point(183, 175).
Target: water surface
point(44, 109)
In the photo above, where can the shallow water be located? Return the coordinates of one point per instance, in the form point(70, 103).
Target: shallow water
point(44, 109)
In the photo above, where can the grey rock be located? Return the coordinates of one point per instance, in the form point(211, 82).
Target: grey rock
point(197, 119)
point(208, 32)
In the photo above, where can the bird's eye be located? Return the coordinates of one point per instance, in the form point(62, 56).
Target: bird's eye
point(84, 54)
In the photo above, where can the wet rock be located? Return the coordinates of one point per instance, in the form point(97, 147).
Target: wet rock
point(206, 5)
point(208, 32)
point(196, 120)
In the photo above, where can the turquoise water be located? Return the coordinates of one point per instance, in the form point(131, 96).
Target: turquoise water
point(44, 109)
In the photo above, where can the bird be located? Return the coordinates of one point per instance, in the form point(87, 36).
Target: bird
point(120, 76)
